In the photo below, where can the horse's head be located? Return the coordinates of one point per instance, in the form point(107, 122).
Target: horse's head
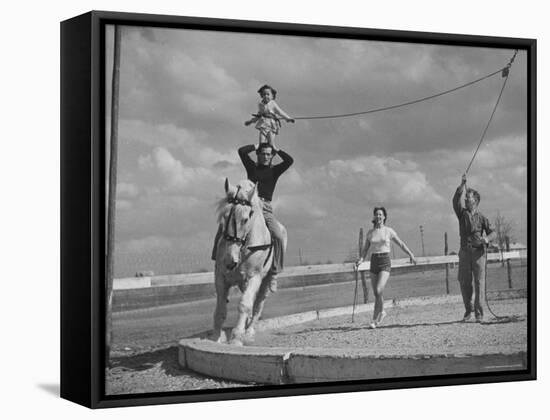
point(235, 212)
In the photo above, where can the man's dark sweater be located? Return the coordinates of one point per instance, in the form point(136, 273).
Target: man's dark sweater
point(265, 176)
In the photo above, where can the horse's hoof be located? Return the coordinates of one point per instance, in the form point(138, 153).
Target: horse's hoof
point(220, 337)
point(250, 334)
point(236, 342)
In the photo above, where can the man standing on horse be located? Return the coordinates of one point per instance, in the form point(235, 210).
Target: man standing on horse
point(265, 174)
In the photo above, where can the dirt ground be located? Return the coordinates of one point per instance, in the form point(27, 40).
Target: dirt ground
point(428, 329)
point(425, 329)
point(156, 370)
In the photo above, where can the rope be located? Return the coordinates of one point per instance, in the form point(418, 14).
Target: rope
point(405, 103)
point(499, 318)
point(505, 74)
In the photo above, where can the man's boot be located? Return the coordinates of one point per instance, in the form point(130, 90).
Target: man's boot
point(273, 283)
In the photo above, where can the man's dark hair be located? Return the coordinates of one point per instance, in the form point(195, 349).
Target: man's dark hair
point(264, 146)
point(475, 194)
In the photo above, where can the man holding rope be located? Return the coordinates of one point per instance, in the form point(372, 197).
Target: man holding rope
point(472, 255)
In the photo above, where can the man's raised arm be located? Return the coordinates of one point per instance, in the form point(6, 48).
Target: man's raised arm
point(459, 199)
point(286, 163)
point(244, 155)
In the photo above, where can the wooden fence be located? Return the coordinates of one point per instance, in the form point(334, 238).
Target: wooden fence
point(307, 270)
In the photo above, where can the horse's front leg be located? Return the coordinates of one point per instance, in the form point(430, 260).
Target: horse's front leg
point(259, 302)
point(245, 309)
point(220, 314)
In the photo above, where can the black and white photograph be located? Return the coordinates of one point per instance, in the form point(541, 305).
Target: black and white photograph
point(286, 209)
point(227, 209)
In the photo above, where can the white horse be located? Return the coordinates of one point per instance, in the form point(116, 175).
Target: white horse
point(244, 256)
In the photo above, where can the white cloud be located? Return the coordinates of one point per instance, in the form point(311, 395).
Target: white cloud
point(189, 143)
point(124, 205)
point(502, 153)
point(381, 179)
point(192, 80)
point(145, 162)
point(293, 180)
point(298, 205)
point(520, 171)
point(176, 176)
point(127, 190)
point(364, 124)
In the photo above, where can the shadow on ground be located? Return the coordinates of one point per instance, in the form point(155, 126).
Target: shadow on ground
point(166, 359)
point(344, 328)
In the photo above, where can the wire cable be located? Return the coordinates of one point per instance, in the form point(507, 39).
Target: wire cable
point(404, 103)
point(488, 123)
point(505, 74)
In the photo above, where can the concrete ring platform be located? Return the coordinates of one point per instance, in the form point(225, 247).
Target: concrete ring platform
point(284, 365)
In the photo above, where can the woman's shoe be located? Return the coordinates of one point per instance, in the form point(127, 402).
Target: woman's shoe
point(381, 317)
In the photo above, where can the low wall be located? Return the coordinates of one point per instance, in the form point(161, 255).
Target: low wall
point(146, 297)
point(167, 293)
point(144, 292)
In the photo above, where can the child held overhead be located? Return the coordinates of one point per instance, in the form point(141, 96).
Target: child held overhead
point(269, 115)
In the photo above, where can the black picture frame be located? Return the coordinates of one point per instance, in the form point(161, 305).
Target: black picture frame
point(83, 217)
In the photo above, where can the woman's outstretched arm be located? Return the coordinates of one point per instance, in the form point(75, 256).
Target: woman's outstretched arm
point(404, 247)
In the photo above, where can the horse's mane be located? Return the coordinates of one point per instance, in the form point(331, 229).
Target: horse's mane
point(224, 205)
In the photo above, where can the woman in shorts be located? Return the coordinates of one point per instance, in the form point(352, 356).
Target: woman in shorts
point(378, 244)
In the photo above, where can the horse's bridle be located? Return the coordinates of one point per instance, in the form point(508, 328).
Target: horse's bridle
point(235, 239)
point(235, 201)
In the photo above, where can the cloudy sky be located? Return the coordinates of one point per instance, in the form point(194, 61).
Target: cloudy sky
point(184, 96)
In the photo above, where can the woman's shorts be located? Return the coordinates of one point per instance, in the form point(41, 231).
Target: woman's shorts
point(380, 262)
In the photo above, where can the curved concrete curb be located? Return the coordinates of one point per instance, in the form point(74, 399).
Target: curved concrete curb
point(282, 365)
point(299, 318)
point(323, 366)
point(245, 364)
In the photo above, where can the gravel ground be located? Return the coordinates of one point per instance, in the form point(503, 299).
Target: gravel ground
point(156, 370)
point(425, 329)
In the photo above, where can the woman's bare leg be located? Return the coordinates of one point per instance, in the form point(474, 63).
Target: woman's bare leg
point(378, 282)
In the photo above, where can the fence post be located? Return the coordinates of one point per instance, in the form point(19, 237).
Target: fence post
point(363, 281)
point(508, 265)
point(446, 250)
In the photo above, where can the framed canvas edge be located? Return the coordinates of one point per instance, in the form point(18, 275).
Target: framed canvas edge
point(87, 309)
point(76, 186)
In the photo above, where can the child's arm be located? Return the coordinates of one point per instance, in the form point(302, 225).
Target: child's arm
point(254, 117)
point(278, 110)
